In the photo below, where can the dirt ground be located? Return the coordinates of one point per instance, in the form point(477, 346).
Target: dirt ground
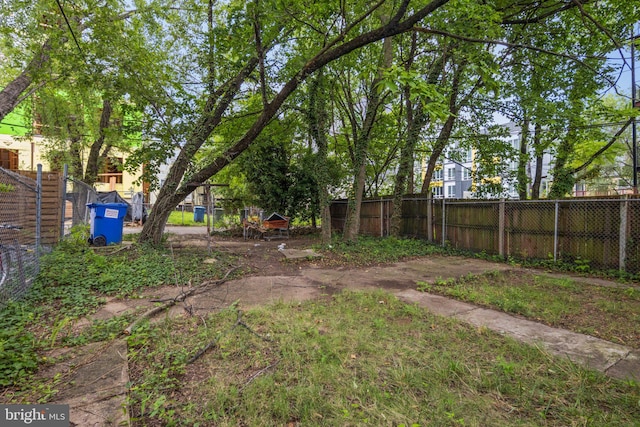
point(288, 270)
point(285, 269)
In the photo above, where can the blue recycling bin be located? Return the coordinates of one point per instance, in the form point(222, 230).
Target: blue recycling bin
point(198, 213)
point(107, 221)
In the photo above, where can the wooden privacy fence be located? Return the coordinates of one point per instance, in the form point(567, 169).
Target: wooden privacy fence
point(601, 232)
point(51, 205)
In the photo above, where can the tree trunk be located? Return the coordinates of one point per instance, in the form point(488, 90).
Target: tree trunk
point(405, 168)
point(318, 131)
point(445, 131)
point(374, 101)
point(438, 148)
point(93, 160)
point(174, 191)
point(537, 143)
point(563, 180)
point(10, 95)
point(407, 151)
point(523, 159)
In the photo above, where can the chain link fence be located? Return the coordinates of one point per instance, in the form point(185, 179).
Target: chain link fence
point(20, 222)
point(77, 196)
point(602, 233)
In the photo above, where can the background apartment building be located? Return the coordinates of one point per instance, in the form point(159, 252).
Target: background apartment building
point(458, 175)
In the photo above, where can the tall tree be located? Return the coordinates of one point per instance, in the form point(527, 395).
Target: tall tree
point(217, 103)
point(361, 134)
point(49, 42)
point(318, 119)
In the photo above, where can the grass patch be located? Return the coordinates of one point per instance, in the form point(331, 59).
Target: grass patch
point(375, 250)
point(182, 218)
point(359, 358)
point(611, 313)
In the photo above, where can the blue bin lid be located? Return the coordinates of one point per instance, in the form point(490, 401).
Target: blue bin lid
point(108, 205)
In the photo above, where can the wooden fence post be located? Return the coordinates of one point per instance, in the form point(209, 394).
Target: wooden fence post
point(381, 217)
point(63, 205)
point(501, 213)
point(429, 217)
point(38, 214)
point(444, 222)
point(555, 233)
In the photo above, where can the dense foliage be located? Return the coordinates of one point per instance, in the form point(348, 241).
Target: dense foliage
point(377, 89)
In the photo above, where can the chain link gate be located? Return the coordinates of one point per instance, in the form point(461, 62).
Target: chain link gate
point(76, 196)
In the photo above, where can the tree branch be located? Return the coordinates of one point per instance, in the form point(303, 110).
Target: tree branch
point(395, 26)
point(512, 45)
point(604, 148)
point(260, 54)
point(540, 17)
point(172, 301)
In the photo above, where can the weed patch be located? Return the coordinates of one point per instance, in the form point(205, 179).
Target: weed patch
point(359, 358)
point(372, 250)
point(74, 282)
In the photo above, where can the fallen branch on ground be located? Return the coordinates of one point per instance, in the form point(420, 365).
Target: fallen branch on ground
point(170, 302)
point(257, 374)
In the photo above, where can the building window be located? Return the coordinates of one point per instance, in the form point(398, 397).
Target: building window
point(466, 174)
point(9, 159)
point(437, 192)
point(437, 175)
point(451, 173)
point(468, 156)
point(451, 191)
point(112, 171)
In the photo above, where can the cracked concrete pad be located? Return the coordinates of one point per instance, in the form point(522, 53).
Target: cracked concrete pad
point(627, 368)
point(436, 304)
point(584, 349)
point(96, 386)
point(192, 243)
point(402, 274)
point(256, 290)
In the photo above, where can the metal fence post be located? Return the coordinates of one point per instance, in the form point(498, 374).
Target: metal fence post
point(63, 210)
point(555, 233)
point(624, 206)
